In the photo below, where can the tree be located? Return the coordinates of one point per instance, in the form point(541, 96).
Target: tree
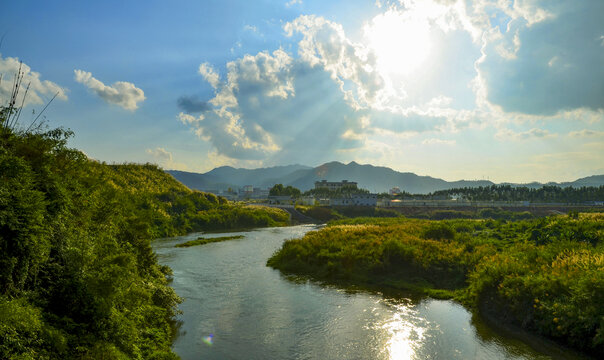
point(280, 190)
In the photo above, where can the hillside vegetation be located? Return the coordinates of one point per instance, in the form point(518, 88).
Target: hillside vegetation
point(546, 275)
point(78, 278)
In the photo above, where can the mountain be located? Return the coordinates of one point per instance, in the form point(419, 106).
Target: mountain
point(594, 181)
point(221, 178)
point(377, 178)
point(373, 178)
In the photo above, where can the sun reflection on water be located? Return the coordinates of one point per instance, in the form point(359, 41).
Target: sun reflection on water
point(405, 332)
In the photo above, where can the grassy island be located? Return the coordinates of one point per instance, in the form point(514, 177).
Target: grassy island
point(203, 241)
point(545, 275)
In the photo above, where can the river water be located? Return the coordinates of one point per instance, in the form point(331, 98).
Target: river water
point(254, 312)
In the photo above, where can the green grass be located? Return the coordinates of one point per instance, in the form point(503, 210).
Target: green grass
point(203, 241)
point(546, 275)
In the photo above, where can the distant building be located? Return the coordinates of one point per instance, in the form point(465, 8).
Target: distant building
point(355, 200)
point(322, 202)
point(259, 193)
point(251, 192)
point(335, 185)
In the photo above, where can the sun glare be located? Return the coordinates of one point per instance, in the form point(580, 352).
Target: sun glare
point(401, 43)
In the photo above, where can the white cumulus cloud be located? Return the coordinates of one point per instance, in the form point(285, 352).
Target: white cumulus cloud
point(40, 91)
point(207, 71)
point(165, 159)
point(121, 93)
point(160, 154)
point(325, 44)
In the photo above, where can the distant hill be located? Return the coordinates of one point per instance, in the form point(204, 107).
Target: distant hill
point(594, 181)
point(377, 178)
point(221, 178)
point(373, 178)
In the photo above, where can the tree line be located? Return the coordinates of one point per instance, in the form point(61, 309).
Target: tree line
point(545, 194)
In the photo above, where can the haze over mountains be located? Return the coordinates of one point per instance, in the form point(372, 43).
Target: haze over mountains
point(374, 178)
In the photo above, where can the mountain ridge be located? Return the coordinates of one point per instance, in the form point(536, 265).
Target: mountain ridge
point(374, 178)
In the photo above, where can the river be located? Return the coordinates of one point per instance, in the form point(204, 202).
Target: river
point(255, 312)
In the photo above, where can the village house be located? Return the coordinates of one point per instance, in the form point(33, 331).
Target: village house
point(335, 185)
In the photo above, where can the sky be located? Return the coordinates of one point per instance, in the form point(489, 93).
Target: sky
point(457, 89)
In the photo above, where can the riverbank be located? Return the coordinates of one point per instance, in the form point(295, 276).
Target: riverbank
point(255, 310)
point(78, 277)
point(546, 275)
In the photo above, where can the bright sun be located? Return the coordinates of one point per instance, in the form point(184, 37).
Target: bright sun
point(401, 43)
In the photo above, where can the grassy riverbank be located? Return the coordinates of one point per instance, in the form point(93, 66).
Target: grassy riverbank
point(78, 277)
point(545, 275)
point(203, 241)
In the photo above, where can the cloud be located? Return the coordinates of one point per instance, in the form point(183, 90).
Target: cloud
point(352, 65)
point(40, 91)
point(507, 134)
point(434, 141)
point(209, 74)
point(548, 59)
point(123, 94)
point(586, 133)
point(165, 159)
point(293, 2)
point(192, 104)
point(250, 28)
point(271, 106)
point(327, 97)
point(160, 154)
point(411, 121)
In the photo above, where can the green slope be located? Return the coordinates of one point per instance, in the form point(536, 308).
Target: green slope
point(78, 277)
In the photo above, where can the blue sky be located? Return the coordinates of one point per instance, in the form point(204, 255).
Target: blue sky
point(457, 89)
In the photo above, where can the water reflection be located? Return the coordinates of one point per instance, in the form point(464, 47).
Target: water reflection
point(254, 312)
point(405, 332)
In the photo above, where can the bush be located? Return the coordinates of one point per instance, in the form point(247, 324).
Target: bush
point(546, 275)
point(439, 231)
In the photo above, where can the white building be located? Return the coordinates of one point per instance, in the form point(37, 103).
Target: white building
point(335, 185)
point(355, 200)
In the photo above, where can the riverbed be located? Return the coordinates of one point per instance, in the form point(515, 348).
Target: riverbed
point(235, 307)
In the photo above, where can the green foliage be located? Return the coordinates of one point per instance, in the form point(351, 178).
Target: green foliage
point(546, 275)
point(365, 211)
point(280, 190)
point(320, 213)
point(78, 277)
point(544, 194)
point(203, 241)
point(327, 213)
point(438, 231)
